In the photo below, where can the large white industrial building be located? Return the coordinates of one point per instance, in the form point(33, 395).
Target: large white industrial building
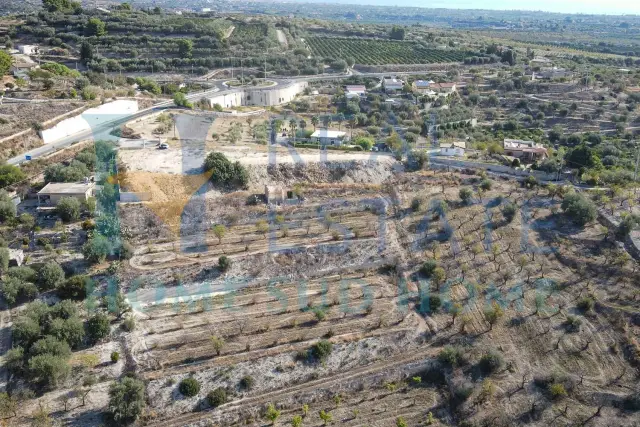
point(262, 97)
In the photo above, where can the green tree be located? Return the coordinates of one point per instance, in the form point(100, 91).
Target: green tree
point(296, 421)
point(74, 287)
point(218, 344)
point(219, 231)
point(98, 327)
point(185, 48)
point(48, 370)
point(180, 99)
point(7, 210)
point(364, 142)
point(578, 208)
point(6, 61)
point(217, 397)
point(95, 27)
point(9, 174)
point(126, 400)
point(224, 263)
point(49, 275)
point(397, 33)
point(225, 172)
point(86, 52)
point(96, 249)
point(315, 120)
point(189, 387)
point(68, 209)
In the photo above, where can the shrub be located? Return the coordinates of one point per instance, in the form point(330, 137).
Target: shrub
point(486, 184)
point(126, 250)
point(509, 212)
point(321, 350)
point(224, 263)
point(434, 303)
point(126, 400)
point(428, 267)
point(465, 195)
point(217, 397)
point(247, 382)
point(50, 275)
point(4, 259)
point(573, 323)
point(586, 304)
point(115, 356)
point(74, 287)
point(129, 324)
point(98, 327)
point(189, 387)
point(68, 209)
point(557, 391)
point(491, 362)
point(96, 249)
point(88, 225)
point(22, 273)
point(451, 356)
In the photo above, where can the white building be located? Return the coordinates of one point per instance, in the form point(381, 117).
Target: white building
point(28, 49)
point(550, 74)
point(256, 96)
point(453, 149)
point(329, 137)
point(524, 150)
point(351, 91)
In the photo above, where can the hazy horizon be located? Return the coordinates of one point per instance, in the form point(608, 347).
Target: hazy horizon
point(597, 7)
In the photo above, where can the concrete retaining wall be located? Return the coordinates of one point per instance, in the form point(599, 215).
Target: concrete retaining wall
point(89, 118)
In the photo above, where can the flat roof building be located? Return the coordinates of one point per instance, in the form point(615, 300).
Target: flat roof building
point(54, 191)
point(328, 137)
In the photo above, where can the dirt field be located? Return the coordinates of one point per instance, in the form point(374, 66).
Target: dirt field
point(344, 266)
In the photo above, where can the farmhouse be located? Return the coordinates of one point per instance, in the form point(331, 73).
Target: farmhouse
point(392, 84)
point(355, 90)
point(54, 191)
point(329, 137)
point(550, 74)
point(444, 88)
point(422, 86)
point(453, 149)
point(28, 49)
point(524, 150)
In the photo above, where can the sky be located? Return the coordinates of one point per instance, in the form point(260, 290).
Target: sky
point(608, 7)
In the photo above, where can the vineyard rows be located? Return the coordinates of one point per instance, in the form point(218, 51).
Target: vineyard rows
point(377, 52)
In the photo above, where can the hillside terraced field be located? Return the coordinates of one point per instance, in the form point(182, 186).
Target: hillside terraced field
point(378, 52)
